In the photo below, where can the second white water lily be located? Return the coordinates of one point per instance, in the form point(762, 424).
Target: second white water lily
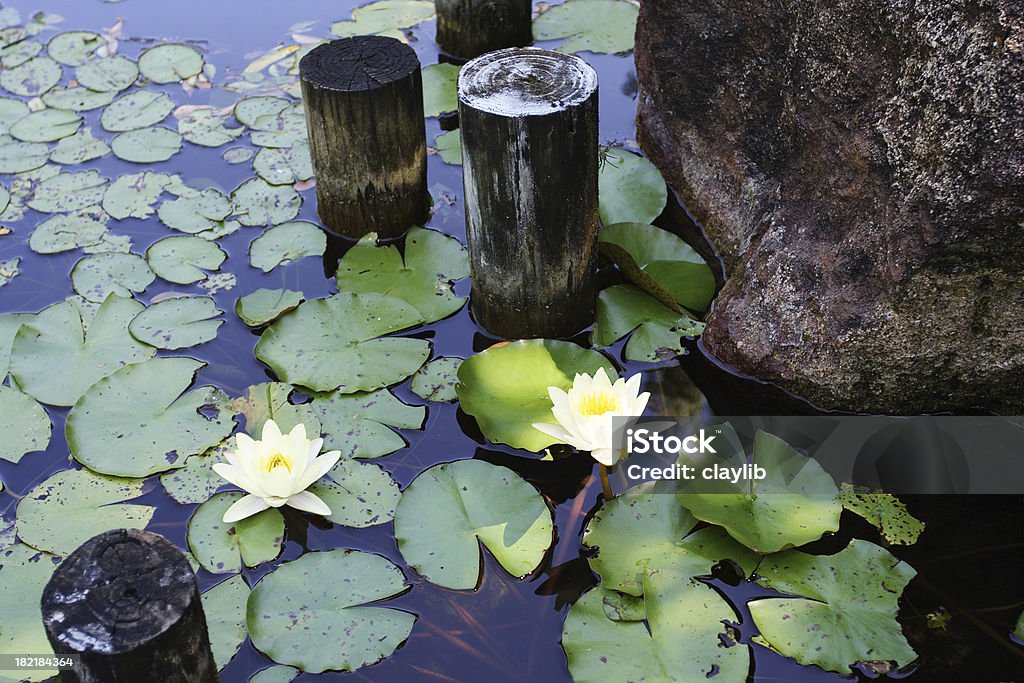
point(585, 412)
point(276, 471)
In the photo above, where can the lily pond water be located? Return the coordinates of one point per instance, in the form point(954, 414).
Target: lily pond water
point(164, 284)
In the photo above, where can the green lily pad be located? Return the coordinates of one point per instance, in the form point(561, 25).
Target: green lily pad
point(206, 128)
point(449, 147)
point(107, 74)
point(72, 506)
point(601, 26)
point(885, 511)
point(67, 231)
point(271, 401)
point(24, 423)
point(266, 305)
point(440, 89)
point(18, 53)
point(46, 125)
point(331, 343)
point(79, 148)
point(284, 166)
point(286, 129)
point(1018, 631)
point(10, 111)
point(196, 481)
point(133, 195)
point(170, 63)
point(844, 609)
point(68, 192)
point(794, 504)
point(18, 157)
point(385, 17)
point(257, 202)
point(357, 424)
point(630, 188)
point(622, 309)
point(97, 276)
point(452, 508)
point(238, 155)
point(286, 243)
point(10, 323)
point(73, 48)
point(137, 109)
point(55, 360)
point(184, 259)
point(224, 605)
point(31, 78)
point(661, 264)
point(146, 145)
point(294, 601)
point(436, 380)
point(259, 112)
point(76, 98)
point(223, 548)
point(24, 572)
point(422, 279)
point(506, 387)
point(133, 423)
point(196, 213)
point(9, 269)
point(177, 323)
point(275, 674)
point(219, 282)
point(359, 494)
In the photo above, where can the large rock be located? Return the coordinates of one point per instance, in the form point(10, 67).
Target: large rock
point(859, 164)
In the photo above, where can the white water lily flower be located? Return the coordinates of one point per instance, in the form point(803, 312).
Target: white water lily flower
point(276, 471)
point(585, 412)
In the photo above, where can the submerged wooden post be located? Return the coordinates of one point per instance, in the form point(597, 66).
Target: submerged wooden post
point(364, 111)
point(529, 148)
point(469, 28)
point(127, 602)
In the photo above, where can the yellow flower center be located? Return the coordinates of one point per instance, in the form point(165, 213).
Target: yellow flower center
point(278, 460)
point(598, 403)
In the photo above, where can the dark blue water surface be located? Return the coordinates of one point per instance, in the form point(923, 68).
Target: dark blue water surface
point(507, 630)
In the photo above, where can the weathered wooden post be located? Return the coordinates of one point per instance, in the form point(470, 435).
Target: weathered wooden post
point(127, 602)
point(529, 147)
point(469, 28)
point(364, 111)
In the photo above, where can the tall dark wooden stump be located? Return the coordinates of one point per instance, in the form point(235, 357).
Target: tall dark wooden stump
point(127, 602)
point(529, 147)
point(364, 111)
point(469, 28)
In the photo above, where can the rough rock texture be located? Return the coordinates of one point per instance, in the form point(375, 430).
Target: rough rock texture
point(860, 166)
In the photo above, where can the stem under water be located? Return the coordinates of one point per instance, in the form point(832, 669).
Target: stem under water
point(605, 484)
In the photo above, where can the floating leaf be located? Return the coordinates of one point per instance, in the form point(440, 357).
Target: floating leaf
point(284, 166)
point(146, 145)
point(55, 360)
point(238, 155)
point(77, 98)
point(284, 130)
point(137, 109)
point(293, 601)
point(133, 423)
point(206, 128)
point(73, 48)
point(452, 508)
point(661, 264)
point(275, 674)
point(449, 147)
point(328, 344)
point(177, 323)
point(170, 63)
point(224, 605)
point(385, 17)
point(79, 148)
point(847, 612)
point(46, 125)
point(621, 309)
point(9, 270)
point(357, 424)
point(439, 89)
point(359, 494)
point(107, 74)
point(68, 192)
point(10, 111)
point(24, 572)
point(195, 214)
point(630, 188)
point(506, 387)
point(72, 506)
point(885, 511)
point(23, 422)
point(795, 502)
point(66, 231)
point(266, 305)
point(223, 548)
point(271, 401)
point(436, 380)
point(218, 282)
point(10, 323)
point(18, 53)
point(423, 280)
point(32, 78)
point(134, 194)
point(259, 112)
point(601, 26)
point(286, 243)
point(196, 481)
point(257, 202)
point(183, 259)
point(97, 276)
point(18, 157)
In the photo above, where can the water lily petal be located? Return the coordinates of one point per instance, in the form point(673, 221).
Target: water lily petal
point(320, 466)
point(238, 477)
point(309, 502)
point(271, 432)
point(605, 456)
point(246, 507)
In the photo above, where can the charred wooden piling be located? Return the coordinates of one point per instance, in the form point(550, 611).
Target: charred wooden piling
point(127, 602)
point(529, 147)
point(364, 111)
point(469, 28)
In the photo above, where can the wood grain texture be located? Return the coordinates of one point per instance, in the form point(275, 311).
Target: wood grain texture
point(128, 603)
point(363, 98)
point(529, 144)
point(469, 28)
